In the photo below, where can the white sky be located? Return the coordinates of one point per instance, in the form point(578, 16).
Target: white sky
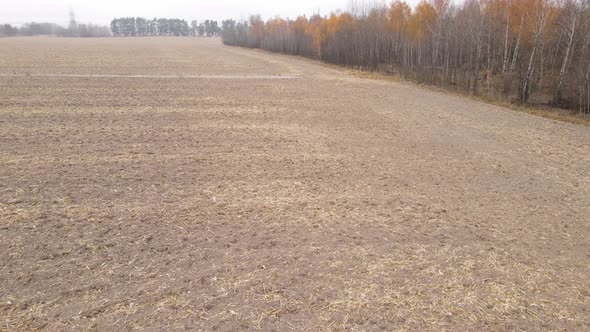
point(102, 11)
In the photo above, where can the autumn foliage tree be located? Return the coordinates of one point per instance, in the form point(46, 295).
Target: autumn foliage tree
point(530, 51)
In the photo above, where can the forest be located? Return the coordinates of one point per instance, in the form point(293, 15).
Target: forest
point(119, 27)
point(131, 26)
point(524, 51)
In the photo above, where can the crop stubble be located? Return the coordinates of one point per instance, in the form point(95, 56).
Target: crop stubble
point(319, 202)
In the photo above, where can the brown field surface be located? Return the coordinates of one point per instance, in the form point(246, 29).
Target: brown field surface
point(244, 191)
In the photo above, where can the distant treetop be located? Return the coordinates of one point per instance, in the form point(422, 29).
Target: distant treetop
point(139, 26)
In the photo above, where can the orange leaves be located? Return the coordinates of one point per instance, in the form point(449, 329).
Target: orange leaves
point(322, 28)
point(314, 29)
point(399, 15)
point(442, 41)
point(277, 25)
point(420, 24)
point(538, 16)
point(300, 25)
point(339, 23)
point(257, 28)
point(495, 10)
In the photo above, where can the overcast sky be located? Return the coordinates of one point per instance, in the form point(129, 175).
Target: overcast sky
point(102, 11)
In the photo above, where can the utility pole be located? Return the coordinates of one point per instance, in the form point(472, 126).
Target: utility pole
point(73, 24)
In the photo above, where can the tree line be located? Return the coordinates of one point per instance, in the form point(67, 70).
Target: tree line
point(74, 29)
point(139, 26)
point(529, 51)
point(53, 29)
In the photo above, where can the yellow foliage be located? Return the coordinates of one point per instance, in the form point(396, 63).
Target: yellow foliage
point(421, 23)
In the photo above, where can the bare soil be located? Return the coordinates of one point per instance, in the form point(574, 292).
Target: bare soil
point(233, 201)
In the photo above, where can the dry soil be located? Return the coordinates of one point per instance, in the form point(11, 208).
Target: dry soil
point(175, 183)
